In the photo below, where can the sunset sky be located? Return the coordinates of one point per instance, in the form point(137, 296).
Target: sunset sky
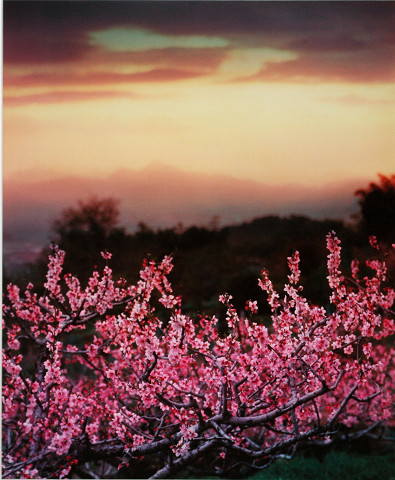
point(273, 92)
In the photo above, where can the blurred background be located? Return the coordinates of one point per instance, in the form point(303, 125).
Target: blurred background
point(226, 133)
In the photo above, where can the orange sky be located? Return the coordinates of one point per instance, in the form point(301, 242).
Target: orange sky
point(188, 110)
point(272, 91)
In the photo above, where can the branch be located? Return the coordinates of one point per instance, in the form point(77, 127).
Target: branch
point(144, 377)
point(342, 405)
point(170, 469)
point(171, 403)
point(15, 467)
point(257, 420)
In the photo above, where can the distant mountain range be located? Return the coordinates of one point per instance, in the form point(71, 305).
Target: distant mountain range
point(160, 196)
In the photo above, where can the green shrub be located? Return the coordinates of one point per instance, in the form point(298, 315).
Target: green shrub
point(335, 466)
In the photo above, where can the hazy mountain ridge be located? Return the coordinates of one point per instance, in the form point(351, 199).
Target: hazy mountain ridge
point(160, 196)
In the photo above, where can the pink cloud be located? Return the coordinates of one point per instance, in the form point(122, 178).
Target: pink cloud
point(358, 69)
point(63, 97)
point(96, 78)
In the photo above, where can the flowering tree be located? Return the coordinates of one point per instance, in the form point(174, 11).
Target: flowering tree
point(154, 394)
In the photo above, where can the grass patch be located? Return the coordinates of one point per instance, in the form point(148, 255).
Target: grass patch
point(334, 466)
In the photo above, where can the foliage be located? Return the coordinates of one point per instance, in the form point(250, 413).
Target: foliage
point(335, 465)
point(377, 203)
point(153, 391)
point(84, 231)
point(227, 259)
point(95, 216)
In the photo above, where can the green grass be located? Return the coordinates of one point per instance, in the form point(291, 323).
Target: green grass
point(335, 466)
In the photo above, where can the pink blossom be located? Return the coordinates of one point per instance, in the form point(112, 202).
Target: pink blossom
point(252, 306)
point(106, 255)
point(139, 380)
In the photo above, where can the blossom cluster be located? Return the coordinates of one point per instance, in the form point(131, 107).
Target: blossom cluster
point(118, 372)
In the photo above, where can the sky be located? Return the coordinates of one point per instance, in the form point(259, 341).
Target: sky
point(276, 93)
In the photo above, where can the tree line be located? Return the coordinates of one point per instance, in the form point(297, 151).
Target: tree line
point(210, 260)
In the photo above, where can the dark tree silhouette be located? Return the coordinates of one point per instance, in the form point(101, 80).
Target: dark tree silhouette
point(96, 216)
point(86, 230)
point(377, 203)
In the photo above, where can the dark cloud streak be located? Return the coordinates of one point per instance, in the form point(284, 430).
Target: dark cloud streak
point(42, 47)
point(344, 43)
point(378, 68)
point(56, 31)
point(334, 41)
point(97, 78)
